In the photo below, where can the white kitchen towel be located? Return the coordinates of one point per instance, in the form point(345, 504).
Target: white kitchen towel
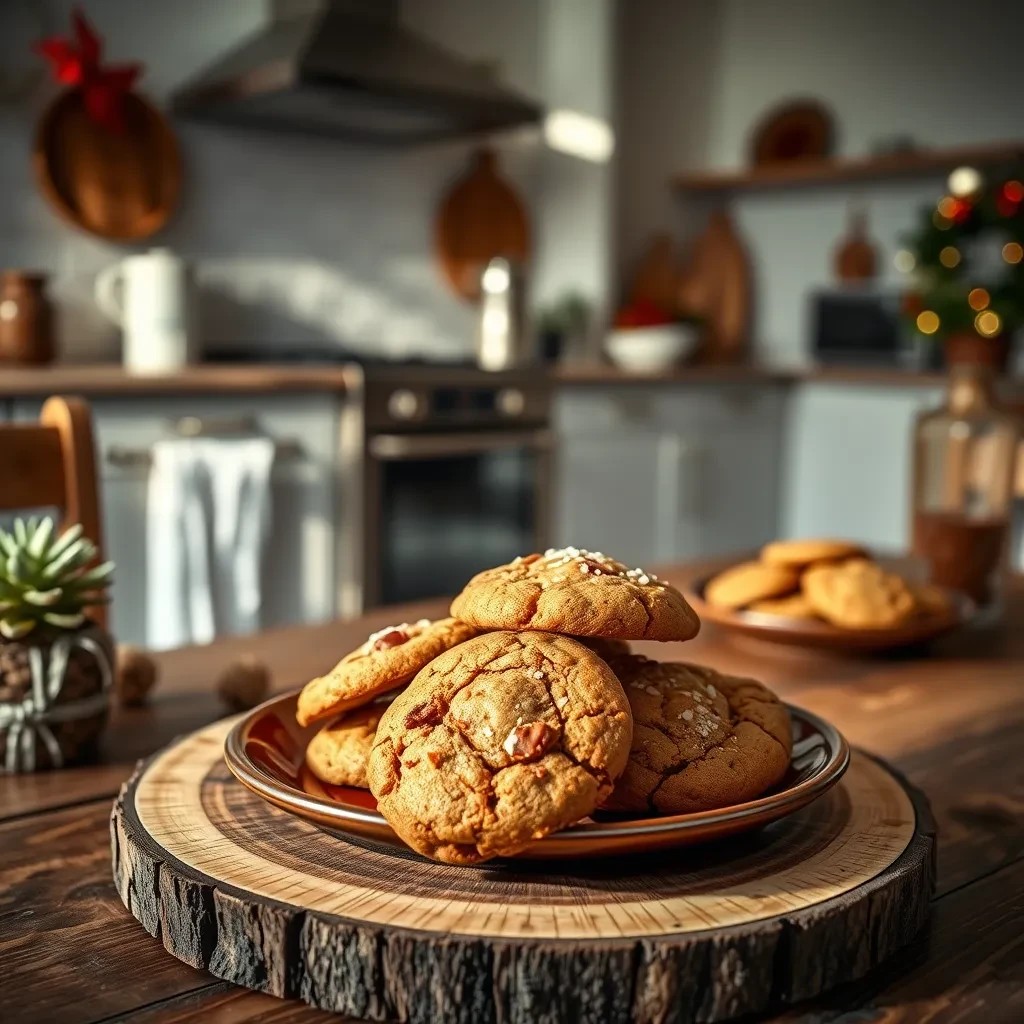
point(208, 519)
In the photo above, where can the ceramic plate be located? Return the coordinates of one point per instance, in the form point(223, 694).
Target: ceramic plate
point(266, 752)
point(815, 633)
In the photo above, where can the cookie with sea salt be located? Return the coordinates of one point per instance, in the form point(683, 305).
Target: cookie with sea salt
point(388, 659)
point(799, 554)
point(743, 584)
point(582, 593)
point(497, 743)
point(701, 739)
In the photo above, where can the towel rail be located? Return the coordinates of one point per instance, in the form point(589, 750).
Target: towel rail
point(195, 426)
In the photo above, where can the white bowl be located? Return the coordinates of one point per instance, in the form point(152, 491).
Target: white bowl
point(649, 349)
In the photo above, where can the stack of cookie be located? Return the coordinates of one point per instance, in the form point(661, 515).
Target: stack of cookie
point(834, 580)
point(526, 712)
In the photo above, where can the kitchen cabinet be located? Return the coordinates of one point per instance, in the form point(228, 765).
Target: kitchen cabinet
point(668, 472)
point(299, 568)
point(848, 461)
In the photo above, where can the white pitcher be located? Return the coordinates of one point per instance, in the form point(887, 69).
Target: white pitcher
point(150, 297)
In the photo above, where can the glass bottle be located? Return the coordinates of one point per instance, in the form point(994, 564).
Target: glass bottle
point(965, 457)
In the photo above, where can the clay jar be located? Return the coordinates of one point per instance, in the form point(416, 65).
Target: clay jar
point(26, 319)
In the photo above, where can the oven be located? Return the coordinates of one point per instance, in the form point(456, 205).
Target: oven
point(446, 473)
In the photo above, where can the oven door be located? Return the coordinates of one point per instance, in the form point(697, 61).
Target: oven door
point(441, 507)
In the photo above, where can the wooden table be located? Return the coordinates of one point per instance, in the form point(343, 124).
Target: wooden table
point(952, 721)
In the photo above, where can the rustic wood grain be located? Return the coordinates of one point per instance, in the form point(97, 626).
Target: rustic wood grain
point(64, 938)
point(653, 942)
point(950, 720)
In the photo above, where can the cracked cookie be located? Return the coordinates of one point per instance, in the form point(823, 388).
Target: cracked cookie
point(701, 739)
point(582, 593)
point(748, 582)
point(497, 743)
point(388, 659)
point(338, 752)
point(858, 595)
point(799, 554)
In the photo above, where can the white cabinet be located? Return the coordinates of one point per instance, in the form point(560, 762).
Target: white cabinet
point(668, 472)
point(848, 458)
point(299, 568)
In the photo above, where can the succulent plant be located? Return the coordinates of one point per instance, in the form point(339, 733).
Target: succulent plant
point(47, 579)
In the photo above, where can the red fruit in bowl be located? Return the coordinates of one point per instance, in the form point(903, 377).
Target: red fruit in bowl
point(643, 313)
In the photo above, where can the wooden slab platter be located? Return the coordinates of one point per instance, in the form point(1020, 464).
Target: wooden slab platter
point(264, 899)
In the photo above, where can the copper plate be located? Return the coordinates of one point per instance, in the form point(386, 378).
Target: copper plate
point(266, 752)
point(814, 633)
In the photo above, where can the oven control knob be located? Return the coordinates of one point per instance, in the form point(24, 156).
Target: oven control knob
point(510, 402)
point(404, 404)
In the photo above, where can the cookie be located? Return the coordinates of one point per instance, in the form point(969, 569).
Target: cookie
point(748, 582)
point(339, 751)
point(858, 595)
point(793, 606)
point(603, 647)
point(582, 593)
point(497, 743)
point(388, 659)
point(701, 739)
point(798, 554)
point(931, 601)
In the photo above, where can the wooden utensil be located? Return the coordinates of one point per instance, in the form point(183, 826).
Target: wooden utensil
point(480, 218)
point(656, 274)
point(716, 286)
point(232, 886)
point(800, 130)
point(122, 186)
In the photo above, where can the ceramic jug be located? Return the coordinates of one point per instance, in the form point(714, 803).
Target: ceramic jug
point(150, 297)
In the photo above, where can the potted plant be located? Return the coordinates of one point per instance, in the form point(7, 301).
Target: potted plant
point(56, 666)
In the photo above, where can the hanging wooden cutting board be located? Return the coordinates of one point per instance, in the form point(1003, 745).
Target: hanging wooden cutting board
point(481, 217)
point(716, 285)
point(122, 186)
point(655, 277)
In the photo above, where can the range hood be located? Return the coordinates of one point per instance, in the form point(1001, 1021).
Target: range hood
point(351, 70)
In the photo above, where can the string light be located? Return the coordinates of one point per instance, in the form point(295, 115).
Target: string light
point(940, 222)
point(927, 322)
point(904, 261)
point(978, 298)
point(1013, 191)
point(949, 257)
point(947, 207)
point(964, 181)
point(1013, 252)
point(988, 324)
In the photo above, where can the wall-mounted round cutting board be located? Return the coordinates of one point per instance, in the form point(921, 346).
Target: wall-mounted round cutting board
point(263, 899)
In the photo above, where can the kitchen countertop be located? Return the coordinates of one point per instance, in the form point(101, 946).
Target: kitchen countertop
point(111, 380)
point(950, 719)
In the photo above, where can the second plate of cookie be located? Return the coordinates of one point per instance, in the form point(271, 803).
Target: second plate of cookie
point(838, 598)
point(266, 752)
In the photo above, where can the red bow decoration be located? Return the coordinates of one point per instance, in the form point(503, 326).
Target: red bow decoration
point(76, 63)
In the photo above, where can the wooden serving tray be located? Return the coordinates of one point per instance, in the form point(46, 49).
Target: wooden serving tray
point(266, 900)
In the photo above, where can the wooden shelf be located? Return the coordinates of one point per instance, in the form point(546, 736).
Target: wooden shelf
point(842, 170)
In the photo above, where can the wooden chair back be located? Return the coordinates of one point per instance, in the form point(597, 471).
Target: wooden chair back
point(52, 463)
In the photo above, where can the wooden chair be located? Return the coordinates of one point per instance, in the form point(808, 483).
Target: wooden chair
point(52, 463)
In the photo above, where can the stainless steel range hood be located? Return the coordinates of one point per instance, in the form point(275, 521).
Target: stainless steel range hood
point(351, 70)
